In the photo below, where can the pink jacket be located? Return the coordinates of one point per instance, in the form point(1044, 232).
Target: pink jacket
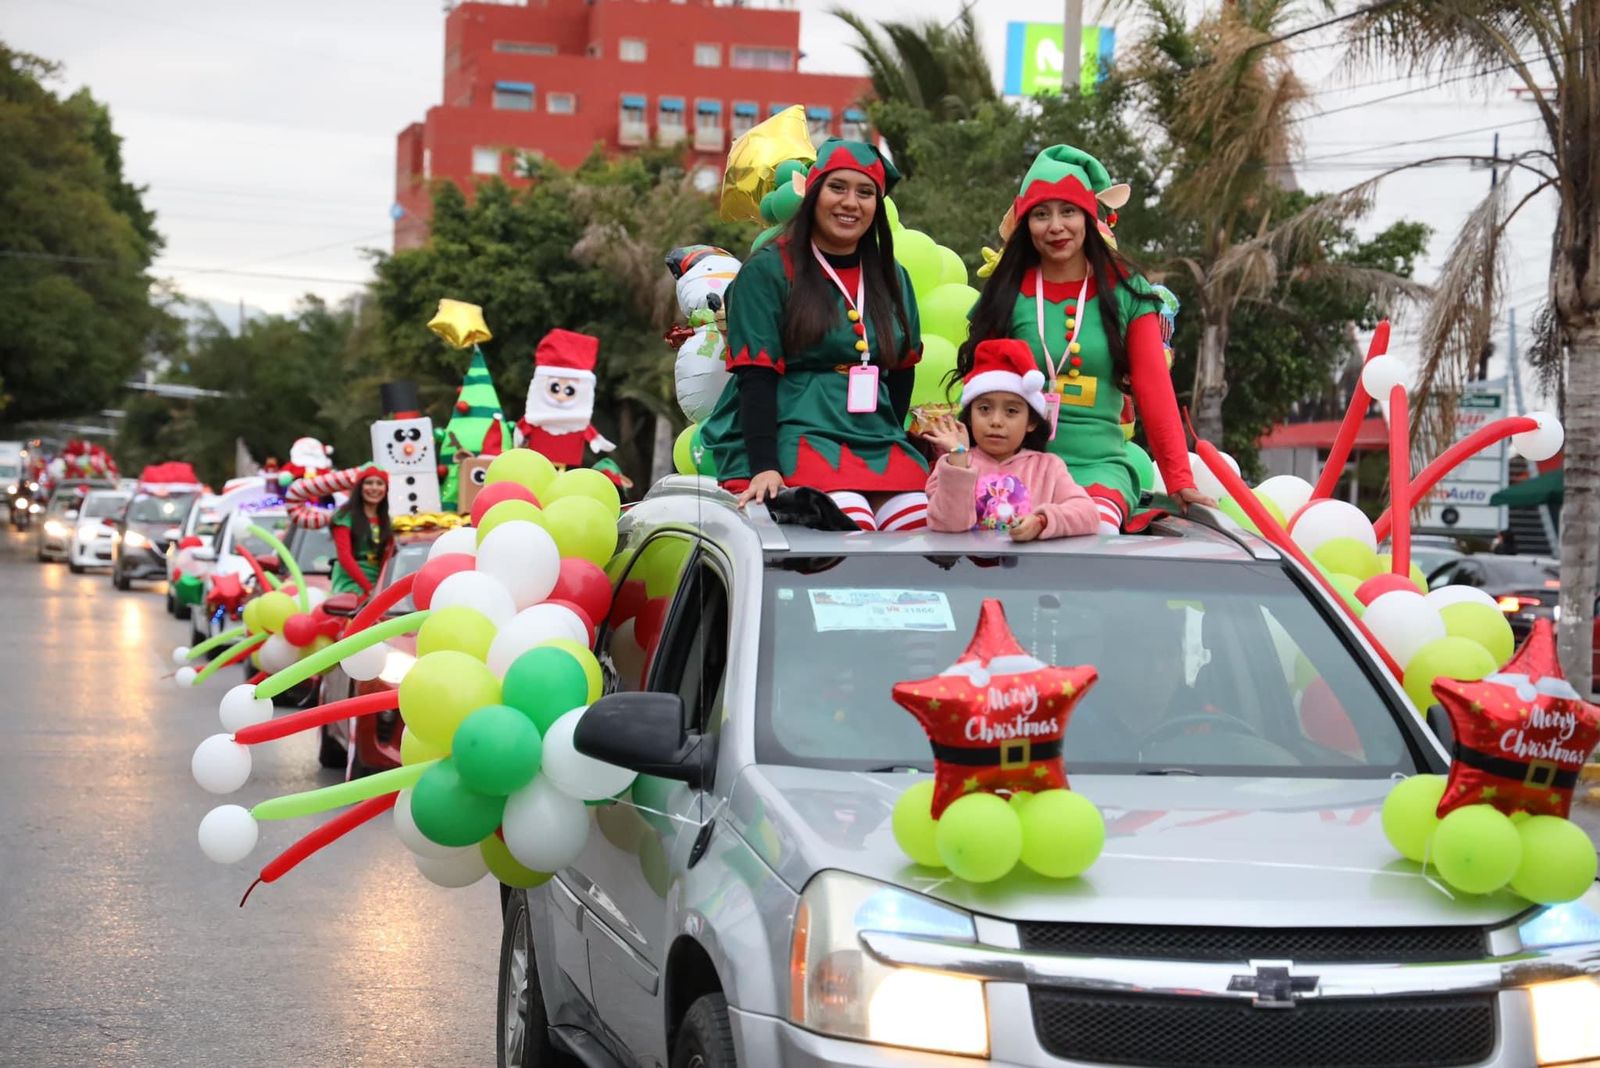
point(991, 495)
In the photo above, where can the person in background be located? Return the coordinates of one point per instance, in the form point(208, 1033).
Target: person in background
point(361, 534)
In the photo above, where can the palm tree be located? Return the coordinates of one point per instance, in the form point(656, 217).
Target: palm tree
point(1552, 49)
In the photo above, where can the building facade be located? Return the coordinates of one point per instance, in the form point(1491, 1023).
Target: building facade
point(555, 79)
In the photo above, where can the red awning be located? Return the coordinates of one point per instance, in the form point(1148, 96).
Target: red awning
point(1319, 435)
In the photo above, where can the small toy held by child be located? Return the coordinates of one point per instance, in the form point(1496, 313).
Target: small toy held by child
point(995, 473)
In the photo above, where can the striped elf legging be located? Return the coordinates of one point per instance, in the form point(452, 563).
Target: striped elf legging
point(903, 511)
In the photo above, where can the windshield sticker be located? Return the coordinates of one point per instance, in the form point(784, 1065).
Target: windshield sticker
point(857, 609)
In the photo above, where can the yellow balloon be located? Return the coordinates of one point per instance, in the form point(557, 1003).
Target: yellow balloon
point(459, 323)
point(504, 866)
point(591, 666)
point(754, 157)
point(523, 466)
point(585, 482)
point(581, 526)
point(274, 609)
point(414, 750)
point(442, 689)
point(505, 512)
point(456, 627)
point(250, 615)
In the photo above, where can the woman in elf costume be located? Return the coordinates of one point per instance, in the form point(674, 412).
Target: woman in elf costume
point(361, 534)
point(822, 341)
point(1095, 329)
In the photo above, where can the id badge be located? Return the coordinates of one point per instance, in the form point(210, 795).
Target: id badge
point(1052, 411)
point(861, 396)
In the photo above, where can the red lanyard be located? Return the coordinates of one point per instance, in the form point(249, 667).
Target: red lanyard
point(857, 305)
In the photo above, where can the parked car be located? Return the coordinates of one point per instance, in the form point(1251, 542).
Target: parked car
point(95, 530)
point(61, 517)
point(1430, 552)
point(199, 526)
point(224, 560)
point(376, 738)
point(752, 907)
point(1527, 588)
point(143, 535)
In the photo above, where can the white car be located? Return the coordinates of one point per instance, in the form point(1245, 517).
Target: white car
point(224, 558)
point(95, 530)
point(204, 518)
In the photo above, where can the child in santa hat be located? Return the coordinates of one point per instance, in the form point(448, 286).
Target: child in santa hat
point(995, 473)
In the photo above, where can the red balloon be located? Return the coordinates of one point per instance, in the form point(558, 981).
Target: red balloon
point(585, 585)
point(436, 571)
point(647, 625)
point(630, 601)
point(300, 629)
point(1378, 585)
point(490, 496)
point(577, 610)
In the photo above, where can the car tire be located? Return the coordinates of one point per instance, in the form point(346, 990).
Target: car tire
point(172, 603)
point(522, 1031)
point(120, 580)
point(330, 754)
point(74, 567)
point(705, 1039)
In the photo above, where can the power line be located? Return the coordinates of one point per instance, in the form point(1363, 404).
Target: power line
point(1520, 61)
point(1416, 141)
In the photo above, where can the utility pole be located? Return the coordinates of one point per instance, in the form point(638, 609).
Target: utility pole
point(1513, 365)
point(1072, 48)
point(1488, 281)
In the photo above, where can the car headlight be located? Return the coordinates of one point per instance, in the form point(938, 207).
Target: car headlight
point(837, 988)
point(395, 666)
point(1566, 1021)
point(55, 528)
point(135, 540)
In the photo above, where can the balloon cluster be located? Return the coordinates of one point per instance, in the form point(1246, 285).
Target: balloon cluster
point(490, 781)
point(982, 837)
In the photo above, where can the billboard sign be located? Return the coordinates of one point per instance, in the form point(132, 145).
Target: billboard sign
point(1036, 62)
point(1459, 504)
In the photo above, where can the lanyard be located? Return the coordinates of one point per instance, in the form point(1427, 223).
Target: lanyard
point(858, 317)
point(1072, 338)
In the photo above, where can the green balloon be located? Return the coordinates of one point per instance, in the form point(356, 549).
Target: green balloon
point(952, 270)
point(1230, 508)
point(1482, 624)
point(449, 813)
point(545, 684)
point(1272, 508)
point(943, 311)
point(1347, 556)
point(938, 360)
point(1410, 814)
point(586, 482)
point(497, 750)
point(785, 202)
point(532, 470)
point(1477, 849)
point(581, 526)
point(765, 236)
point(919, 255)
point(980, 837)
point(704, 462)
point(914, 827)
point(1558, 860)
point(1143, 466)
point(1019, 800)
point(505, 867)
point(891, 211)
point(1062, 833)
point(682, 457)
point(1448, 657)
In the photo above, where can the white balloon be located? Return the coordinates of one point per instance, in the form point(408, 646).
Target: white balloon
point(180, 655)
point(700, 378)
point(1541, 444)
point(1381, 374)
point(544, 829)
point(1158, 484)
point(228, 833)
point(220, 764)
point(405, 829)
point(1289, 492)
point(477, 591)
point(1445, 596)
point(278, 655)
point(1403, 621)
point(241, 708)
point(315, 595)
point(455, 540)
point(1322, 521)
point(523, 557)
point(576, 775)
point(365, 665)
point(462, 867)
point(533, 627)
point(185, 676)
point(1205, 481)
point(628, 656)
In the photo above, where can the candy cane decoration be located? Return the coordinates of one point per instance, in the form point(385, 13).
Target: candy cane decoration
point(303, 494)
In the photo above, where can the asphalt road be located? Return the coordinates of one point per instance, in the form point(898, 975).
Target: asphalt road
point(120, 944)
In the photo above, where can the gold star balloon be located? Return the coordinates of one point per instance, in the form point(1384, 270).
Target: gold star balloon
point(459, 323)
point(753, 161)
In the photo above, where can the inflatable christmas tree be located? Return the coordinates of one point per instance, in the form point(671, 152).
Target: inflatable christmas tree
point(476, 427)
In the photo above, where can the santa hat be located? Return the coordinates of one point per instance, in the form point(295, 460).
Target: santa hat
point(1004, 365)
point(568, 353)
point(994, 650)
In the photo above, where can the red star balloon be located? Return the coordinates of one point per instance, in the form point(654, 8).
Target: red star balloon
point(1522, 735)
point(227, 592)
point(996, 716)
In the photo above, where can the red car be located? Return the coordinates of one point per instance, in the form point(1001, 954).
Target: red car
point(376, 738)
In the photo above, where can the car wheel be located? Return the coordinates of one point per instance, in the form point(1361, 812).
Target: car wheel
point(172, 603)
point(330, 754)
point(522, 1038)
point(74, 567)
point(706, 1038)
point(120, 580)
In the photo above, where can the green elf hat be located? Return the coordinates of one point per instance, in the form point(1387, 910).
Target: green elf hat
point(1062, 172)
point(835, 154)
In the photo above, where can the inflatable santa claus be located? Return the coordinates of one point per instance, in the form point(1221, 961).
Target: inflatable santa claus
point(561, 399)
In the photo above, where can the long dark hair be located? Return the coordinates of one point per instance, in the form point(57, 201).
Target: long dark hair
point(360, 528)
point(991, 316)
point(811, 311)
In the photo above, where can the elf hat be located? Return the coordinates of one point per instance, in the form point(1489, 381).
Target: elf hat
point(567, 353)
point(1004, 365)
point(1062, 172)
point(835, 154)
point(370, 470)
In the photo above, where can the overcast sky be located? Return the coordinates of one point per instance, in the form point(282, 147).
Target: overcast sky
point(266, 132)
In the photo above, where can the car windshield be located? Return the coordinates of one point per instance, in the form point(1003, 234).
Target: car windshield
point(1205, 669)
point(103, 505)
point(153, 509)
point(407, 560)
point(10, 472)
point(62, 503)
point(314, 551)
point(273, 522)
point(207, 522)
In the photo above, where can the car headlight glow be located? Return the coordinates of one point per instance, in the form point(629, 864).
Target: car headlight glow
point(395, 666)
point(54, 528)
point(1566, 1021)
point(136, 540)
point(837, 988)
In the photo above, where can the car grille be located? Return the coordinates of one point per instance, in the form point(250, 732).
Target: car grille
point(1220, 1033)
point(1326, 945)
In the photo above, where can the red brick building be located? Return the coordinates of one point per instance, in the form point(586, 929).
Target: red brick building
point(552, 79)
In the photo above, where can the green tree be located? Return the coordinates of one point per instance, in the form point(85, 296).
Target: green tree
point(76, 309)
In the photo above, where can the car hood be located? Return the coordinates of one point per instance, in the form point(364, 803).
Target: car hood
point(1268, 852)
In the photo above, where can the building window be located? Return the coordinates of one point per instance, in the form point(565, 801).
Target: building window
point(854, 126)
point(633, 126)
point(485, 160)
point(670, 127)
point(708, 55)
point(525, 48)
point(747, 58)
point(632, 50)
point(745, 115)
point(561, 103)
point(513, 96)
point(708, 125)
point(427, 163)
point(528, 163)
point(818, 122)
point(778, 109)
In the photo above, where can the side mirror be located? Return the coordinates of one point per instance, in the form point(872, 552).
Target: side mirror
point(206, 555)
point(644, 732)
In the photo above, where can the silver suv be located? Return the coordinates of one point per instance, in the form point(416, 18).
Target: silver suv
point(750, 905)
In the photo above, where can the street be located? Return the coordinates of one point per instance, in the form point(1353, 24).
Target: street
point(122, 944)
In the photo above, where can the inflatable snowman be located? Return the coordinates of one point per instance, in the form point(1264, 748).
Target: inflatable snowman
point(403, 446)
point(703, 274)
